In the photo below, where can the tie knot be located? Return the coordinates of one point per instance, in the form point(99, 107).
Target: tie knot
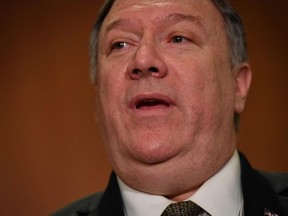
point(185, 208)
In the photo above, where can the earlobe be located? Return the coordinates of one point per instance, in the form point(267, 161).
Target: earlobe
point(243, 77)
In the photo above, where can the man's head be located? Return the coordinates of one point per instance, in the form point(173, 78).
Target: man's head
point(170, 77)
point(233, 25)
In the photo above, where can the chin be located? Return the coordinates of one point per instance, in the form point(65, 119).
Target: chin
point(153, 151)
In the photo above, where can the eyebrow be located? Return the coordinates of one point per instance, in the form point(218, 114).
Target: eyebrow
point(177, 17)
point(171, 18)
point(117, 23)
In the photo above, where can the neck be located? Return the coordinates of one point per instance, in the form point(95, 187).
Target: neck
point(183, 196)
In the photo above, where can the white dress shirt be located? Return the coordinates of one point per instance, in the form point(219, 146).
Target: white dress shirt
point(221, 195)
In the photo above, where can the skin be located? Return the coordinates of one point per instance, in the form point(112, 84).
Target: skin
point(168, 149)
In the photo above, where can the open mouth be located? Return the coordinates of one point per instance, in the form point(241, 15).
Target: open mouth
point(151, 102)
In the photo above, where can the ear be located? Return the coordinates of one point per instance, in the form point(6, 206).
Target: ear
point(243, 77)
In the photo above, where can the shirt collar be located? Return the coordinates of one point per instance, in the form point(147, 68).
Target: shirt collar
point(222, 193)
point(219, 195)
point(141, 204)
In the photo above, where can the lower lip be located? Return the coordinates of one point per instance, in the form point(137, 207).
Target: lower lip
point(152, 110)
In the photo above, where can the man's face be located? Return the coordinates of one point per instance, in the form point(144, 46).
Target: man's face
point(166, 93)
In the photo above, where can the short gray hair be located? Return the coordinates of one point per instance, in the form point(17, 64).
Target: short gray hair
point(94, 37)
point(234, 28)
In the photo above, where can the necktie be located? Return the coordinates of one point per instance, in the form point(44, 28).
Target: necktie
point(184, 208)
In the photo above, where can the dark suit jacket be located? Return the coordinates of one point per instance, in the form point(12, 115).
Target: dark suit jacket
point(263, 193)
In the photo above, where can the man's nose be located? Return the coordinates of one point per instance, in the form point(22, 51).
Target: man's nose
point(147, 61)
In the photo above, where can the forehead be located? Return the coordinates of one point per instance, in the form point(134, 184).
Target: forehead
point(151, 10)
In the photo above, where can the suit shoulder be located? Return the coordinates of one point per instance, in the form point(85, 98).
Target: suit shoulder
point(81, 207)
point(279, 183)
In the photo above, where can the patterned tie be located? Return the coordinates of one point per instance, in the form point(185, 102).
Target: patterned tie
point(185, 208)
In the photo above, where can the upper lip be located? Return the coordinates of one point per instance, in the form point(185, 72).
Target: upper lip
point(154, 98)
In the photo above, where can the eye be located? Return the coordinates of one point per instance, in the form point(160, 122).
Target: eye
point(178, 39)
point(119, 45)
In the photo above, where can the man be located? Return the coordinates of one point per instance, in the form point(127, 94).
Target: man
point(171, 79)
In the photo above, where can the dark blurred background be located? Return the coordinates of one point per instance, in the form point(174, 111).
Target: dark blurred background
point(51, 152)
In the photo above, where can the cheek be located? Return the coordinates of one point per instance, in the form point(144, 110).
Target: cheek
point(110, 78)
point(190, 75)
point(111, 88)
point(206, 86)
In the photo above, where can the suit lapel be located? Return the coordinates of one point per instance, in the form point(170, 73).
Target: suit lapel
point(259, 198)
point(111, 203)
